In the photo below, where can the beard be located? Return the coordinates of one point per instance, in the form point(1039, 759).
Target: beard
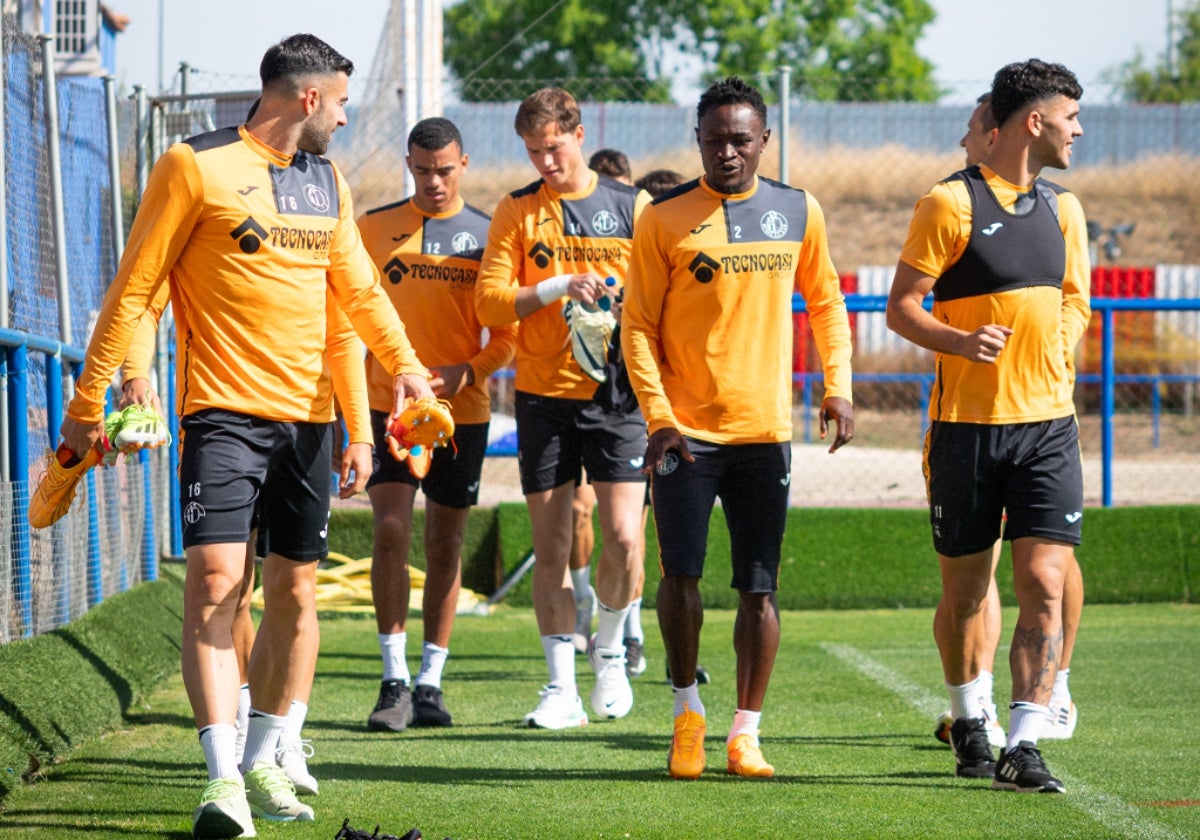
point(314, 139)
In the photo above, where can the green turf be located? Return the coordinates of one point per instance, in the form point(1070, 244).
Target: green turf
point(847, 725)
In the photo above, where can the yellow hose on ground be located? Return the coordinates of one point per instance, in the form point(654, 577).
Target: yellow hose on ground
point(344, 585)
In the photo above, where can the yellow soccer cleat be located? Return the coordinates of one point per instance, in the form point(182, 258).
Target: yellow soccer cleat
point(56, 490)
point(686, 758)
point(746, 759)
point(424, 425)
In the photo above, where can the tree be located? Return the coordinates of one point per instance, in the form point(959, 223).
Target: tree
point(838, 49)
point(1167, 83)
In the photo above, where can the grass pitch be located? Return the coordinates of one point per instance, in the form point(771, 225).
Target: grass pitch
point(847, 724)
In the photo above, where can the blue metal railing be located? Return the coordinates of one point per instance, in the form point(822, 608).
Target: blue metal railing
point(14, 379)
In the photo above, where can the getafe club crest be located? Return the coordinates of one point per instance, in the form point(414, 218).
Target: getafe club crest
point(773, 224)
point(668, 465)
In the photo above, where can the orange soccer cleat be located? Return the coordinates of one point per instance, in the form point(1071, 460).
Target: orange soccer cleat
point(55, 492)
point(424, 425)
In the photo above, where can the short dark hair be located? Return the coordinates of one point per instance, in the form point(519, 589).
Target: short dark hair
point(433, 134)
point(731, 91)
point(1020, 84)
point(658, 181)
point(298, 56)
point(545, 106)
point(612, 163)
point(986, 118)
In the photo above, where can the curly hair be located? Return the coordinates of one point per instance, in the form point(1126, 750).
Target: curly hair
point(1021, 84)
point(731, 91)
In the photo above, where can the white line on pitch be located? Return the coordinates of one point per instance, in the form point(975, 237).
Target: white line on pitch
point(1106, 809)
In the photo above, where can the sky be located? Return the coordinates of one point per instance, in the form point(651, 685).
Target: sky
point(968, 41)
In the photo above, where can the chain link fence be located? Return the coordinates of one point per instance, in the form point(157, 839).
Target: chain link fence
point(1136, 170)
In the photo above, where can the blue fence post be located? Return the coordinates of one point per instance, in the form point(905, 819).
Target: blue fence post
point(1107, 406)
point(150, 523)
point(18, 455)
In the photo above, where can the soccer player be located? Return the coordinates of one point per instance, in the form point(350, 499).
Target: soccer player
point(250, 227)
point(977, 142)
point(562, 236)
point(1005, 255)
point(348, 379)
point(707, 335)
point(428, 248)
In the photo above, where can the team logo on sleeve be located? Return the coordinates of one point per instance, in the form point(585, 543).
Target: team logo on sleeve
point(773, 224)
point(704, 268)
point(541, 254)
point(605, 223)
point(395, 270)
point(316, 197)
point(464, 243)
point(249, 235)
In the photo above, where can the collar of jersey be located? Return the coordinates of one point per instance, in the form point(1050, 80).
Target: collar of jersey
point(593, 181)
point(274, 155)
point(742, 196)
point(1008, 189)
point(454, 210)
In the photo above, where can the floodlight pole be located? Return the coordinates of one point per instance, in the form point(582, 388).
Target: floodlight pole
point(785, 120)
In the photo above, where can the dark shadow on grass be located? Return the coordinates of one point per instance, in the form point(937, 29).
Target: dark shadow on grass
point(80, 829)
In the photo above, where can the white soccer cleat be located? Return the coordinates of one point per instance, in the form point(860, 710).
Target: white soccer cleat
point(292, 756)
point(1060, 725)
point(612, 696)
point(557, 710)
point(591, 330)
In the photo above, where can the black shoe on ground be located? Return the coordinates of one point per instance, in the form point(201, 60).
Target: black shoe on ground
point(973, 756)
point(394, 708)
point(1022, 769)
point(429, 709)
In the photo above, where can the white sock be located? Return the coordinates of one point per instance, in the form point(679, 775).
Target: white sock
point(609, 635)
point(581, 580)
point(964, 699)
point(294, 722)
point(560, 660)
point(1060, 697)
point(392, 647)
point(217, 741)
point(984, 686)
point(688, 697)
point(262, 739)
point(433, 660)
point(633, 621)
point(243, 716)
point(1025, 722)
point(744, 723)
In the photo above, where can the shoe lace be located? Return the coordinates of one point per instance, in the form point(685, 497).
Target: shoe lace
point(221, 789)
point(273, 781)
point(687, 736)
point(303, 746)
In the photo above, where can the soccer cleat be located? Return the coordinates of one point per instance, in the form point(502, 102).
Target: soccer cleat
point(612, 696)
point(272, 796)
point(590, 329)
point(393, 710)
point(423, 425)
point(293, 757)
point(635, 659)
point(995, 731)
point(429, 708)
point(223, 811)
point(685, 760)
point(53, 496)
point(349, 832)
point(134, 427)
point(1060, 725)
point(746, 758)
point(557, 710)
point(973, 758)
point(586, 608)
point(1022, 769)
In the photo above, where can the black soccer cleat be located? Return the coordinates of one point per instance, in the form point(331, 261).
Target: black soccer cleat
point(429, 708)
point(393, 710)
point(1023, 770)
point(973, 758)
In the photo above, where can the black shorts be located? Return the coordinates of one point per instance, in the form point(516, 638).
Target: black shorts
point(556, 436)
point(1029, 474)
point(231, 464)
point(752, 481)
point(453, 478)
